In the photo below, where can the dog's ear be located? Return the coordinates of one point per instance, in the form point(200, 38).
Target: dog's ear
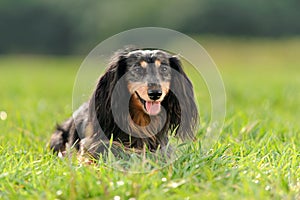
point(100, 103)
point(183, 112)
point(175, 63)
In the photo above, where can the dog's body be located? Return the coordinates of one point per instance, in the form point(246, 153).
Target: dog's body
point(142, 98)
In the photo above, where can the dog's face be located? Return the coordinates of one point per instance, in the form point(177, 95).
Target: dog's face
point(148, 78)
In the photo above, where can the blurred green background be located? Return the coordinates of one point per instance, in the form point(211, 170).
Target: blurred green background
point(68, 27)
point(256, 46)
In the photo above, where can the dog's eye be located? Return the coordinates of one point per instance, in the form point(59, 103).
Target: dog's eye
point(138, 69)
point(163, 69)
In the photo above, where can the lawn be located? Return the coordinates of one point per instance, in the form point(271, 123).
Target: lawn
point(257, 156)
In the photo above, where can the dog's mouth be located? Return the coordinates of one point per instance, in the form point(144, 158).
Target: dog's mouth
point(151, 107)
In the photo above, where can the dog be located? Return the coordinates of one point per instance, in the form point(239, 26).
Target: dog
point(142, 99)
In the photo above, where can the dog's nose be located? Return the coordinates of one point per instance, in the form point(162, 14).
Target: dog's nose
point(154, 94)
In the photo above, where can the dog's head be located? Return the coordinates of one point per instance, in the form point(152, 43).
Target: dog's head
point(148, 78)
point(151, 79)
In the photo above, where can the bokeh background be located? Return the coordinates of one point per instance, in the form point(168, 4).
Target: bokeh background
point(75, 27)
point(254, 43)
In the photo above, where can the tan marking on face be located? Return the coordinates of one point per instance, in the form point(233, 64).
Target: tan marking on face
point(157, 63)
point(165, 87)
point(137, 86)
point(142, 90)
point(144, 64)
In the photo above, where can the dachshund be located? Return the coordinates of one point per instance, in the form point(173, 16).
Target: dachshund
point(143, 98)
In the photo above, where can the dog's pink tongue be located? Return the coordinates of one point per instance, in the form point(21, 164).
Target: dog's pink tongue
point(153, 108)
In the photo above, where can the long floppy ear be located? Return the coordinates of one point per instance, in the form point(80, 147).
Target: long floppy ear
point(183, 112)
point(100, 103)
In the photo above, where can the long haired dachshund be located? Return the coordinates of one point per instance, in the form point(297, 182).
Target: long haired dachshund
point(143, 97)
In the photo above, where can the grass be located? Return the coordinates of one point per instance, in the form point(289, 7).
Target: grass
point(257, 156)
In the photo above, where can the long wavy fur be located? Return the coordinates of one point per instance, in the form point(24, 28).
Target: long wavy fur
point(93, 125)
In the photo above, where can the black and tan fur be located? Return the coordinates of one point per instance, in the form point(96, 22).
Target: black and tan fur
point(145, 77)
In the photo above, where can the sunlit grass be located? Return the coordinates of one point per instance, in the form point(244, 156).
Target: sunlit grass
point(257, 156)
